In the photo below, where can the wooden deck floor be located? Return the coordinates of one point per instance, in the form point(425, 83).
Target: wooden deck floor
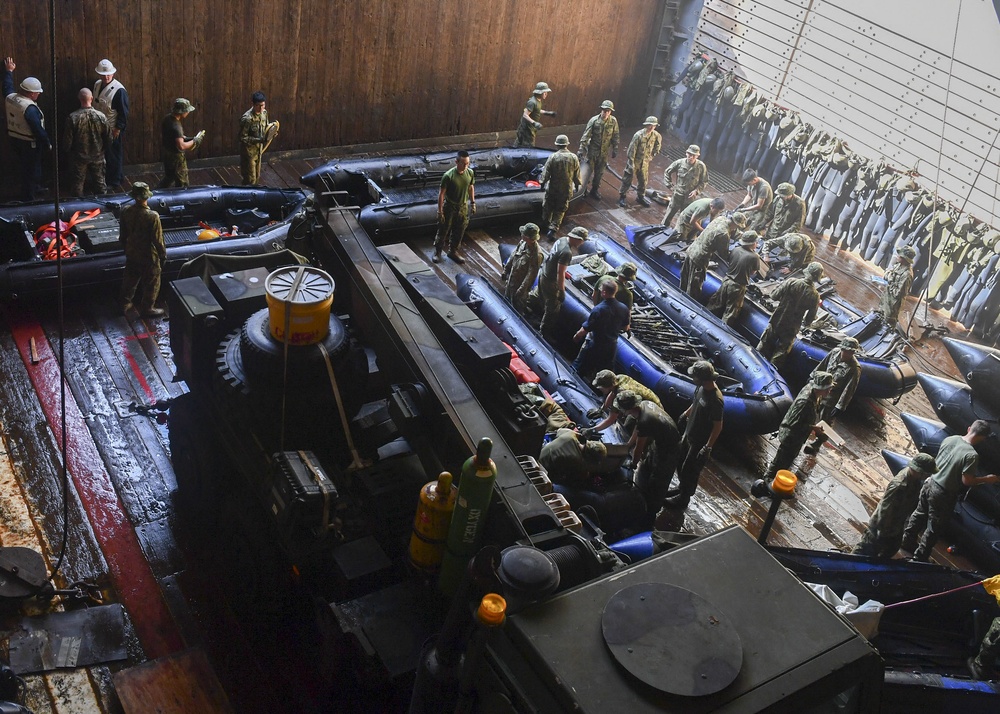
point(122, 484)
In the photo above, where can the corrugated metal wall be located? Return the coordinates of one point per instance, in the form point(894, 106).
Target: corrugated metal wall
point(909, 80)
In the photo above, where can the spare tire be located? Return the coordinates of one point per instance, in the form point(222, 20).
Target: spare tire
point(263, 356)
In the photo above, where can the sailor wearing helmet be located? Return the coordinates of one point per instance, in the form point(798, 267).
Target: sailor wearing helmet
point(26, 128)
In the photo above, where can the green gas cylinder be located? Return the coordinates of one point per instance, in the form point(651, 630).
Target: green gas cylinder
point(475, 489)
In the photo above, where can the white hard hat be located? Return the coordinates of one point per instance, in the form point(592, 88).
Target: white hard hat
point(31, 84)
point(105, 67)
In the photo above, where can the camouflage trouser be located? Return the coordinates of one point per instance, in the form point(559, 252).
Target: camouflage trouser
point(250, 164)
point(81, 170)
point(693, 271)
point(525, 134)
point(790, 443)
point(597, 165)
point(552, 302)
point(678, 202)
point(554, 208)
point(641, 173)
point(775, 345)
point(924, 527)
point(989, 650)
point(727, 302)
point(653, 475)
point(456, 220)
point(147, 272)
point(877, 543)
point(755, 220)
point(175, 170)
point(685, 233)
point(889, 305)
point(518, 284)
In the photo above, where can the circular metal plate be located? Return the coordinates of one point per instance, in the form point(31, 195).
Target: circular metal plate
point(300, 284)
point(672, 639)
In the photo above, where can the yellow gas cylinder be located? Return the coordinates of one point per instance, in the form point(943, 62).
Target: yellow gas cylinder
point(430, 525)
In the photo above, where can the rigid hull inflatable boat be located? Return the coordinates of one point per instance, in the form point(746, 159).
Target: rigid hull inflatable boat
point(397, 195)
point(885, 372)
point(195, 221)
point(675, 333)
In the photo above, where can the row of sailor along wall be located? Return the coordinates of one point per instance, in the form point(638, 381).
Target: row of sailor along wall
point(862, 204)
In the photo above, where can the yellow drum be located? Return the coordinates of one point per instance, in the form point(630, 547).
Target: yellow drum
point(298, 304)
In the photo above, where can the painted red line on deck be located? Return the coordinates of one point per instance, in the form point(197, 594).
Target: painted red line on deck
point(130, 572)
point(140, 377)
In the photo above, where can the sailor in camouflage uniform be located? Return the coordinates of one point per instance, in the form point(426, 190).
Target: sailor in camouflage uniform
point(712, 240)
point(624, 278)
point(758, 200)
point(85, 140)
point(898, 279)
point(653, 447)
point(786, 214)
point(560, 179)
point(690, 176)
point(983, 664)
point(253, 134)
point(690, 219)
point(533, 111)
point(884, 533)
point(646, 143)
point(600, 138)
point(842, 363)
point(551, 286)
point(798, 301)
point(800, 421)
point(957, 459)
point(701, 424)
point(456, 199)
point(727, 302)
point(799, 247)
point(522, 268)
point(145, 251)
point(173, 144)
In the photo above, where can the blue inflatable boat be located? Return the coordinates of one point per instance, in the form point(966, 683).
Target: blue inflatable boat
point(885, 372)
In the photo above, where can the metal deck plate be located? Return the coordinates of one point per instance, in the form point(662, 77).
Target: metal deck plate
point(672, 639)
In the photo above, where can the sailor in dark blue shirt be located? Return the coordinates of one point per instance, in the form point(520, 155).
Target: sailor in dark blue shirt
point(26, 128)
point(606, 321)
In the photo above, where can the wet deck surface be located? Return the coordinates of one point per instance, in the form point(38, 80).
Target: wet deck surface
point(185, 587)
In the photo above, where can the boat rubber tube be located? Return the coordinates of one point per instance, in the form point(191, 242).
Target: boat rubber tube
point(880, 378)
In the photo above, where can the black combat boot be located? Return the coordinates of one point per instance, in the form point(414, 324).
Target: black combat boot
point(813, 447)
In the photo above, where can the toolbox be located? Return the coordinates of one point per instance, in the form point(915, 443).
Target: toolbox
point(100, 233)
point(303, 497)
